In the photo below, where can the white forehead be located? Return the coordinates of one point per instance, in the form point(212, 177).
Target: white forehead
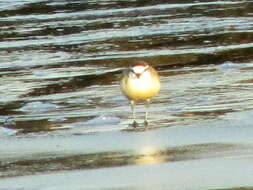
point(139, 68)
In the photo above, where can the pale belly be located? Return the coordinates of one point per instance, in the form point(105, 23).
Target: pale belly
point(137, 89)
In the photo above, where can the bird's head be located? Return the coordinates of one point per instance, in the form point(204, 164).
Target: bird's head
point(138, 69)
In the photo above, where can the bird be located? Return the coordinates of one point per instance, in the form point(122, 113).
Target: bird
point(140, 82)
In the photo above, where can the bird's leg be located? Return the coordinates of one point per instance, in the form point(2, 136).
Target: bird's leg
point(135, 124)
point(146, 115)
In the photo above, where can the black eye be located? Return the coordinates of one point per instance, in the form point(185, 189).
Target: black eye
point(131, 71)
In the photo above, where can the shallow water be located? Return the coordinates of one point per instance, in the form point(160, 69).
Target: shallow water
point(63, 117)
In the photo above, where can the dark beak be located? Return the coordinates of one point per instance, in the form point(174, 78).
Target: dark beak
point(138, 75)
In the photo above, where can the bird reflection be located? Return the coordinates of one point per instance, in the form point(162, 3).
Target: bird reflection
point(150, 155)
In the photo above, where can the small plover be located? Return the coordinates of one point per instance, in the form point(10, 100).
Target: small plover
point(140, 82)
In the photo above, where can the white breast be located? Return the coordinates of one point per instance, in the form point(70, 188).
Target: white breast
point(143, 82)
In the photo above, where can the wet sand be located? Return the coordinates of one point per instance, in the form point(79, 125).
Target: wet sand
point(65, 125)
point(206, 155)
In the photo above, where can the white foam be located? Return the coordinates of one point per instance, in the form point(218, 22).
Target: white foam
point(38, 107)
point(6, 132)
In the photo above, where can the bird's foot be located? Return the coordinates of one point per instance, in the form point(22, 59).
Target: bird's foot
point(145, 123)
point(135, 124)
